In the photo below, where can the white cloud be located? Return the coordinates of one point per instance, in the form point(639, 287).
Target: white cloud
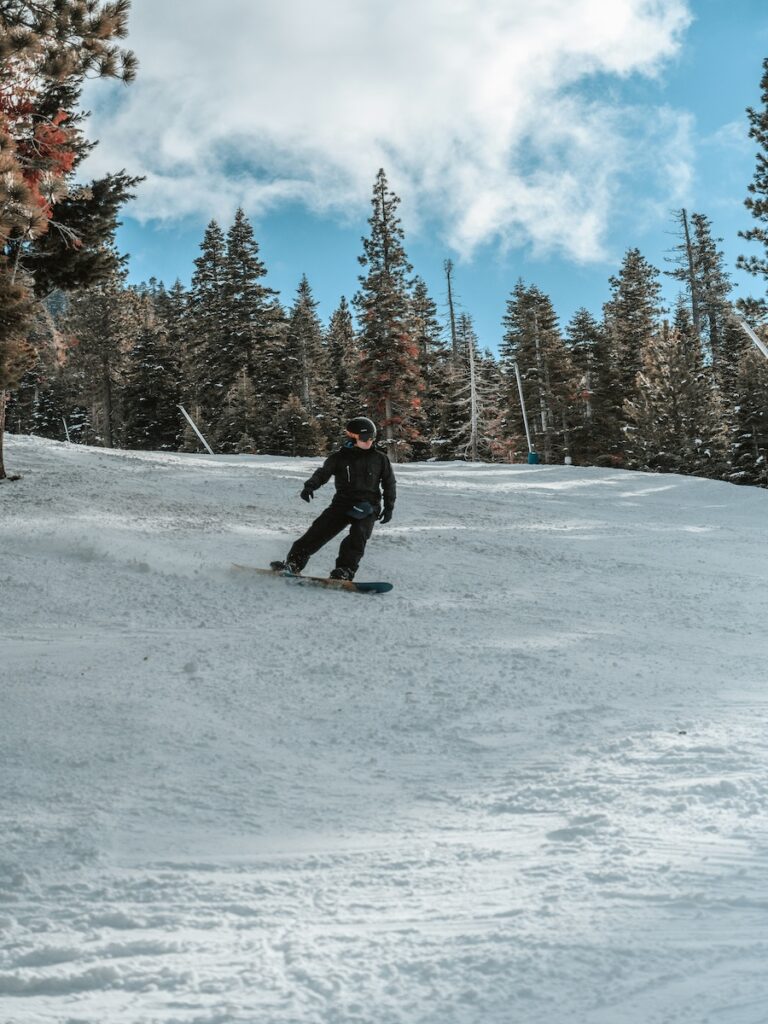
point(474, 107)
point(733, 136)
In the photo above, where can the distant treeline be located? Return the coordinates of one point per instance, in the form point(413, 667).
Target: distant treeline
point(643, 387)
point(84, 355)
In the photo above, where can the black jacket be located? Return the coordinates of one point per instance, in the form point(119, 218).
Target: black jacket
point(359, 475)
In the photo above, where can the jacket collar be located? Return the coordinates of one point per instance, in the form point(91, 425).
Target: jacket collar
point(351, 446)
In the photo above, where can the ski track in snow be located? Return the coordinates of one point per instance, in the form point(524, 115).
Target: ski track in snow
point(529, 786)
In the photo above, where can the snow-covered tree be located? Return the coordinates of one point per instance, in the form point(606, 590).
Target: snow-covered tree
point(700, 266)
point(435, 364)
point(595, 407)
point(674, 420)
point(469, 427)
point(296, 432)
point(532, 339)
point(749, 424)
point(152, 392)
point(757, 200)
point(632, 316)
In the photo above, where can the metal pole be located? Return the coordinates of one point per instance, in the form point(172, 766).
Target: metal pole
point(66, 429)
point(522, 405)
point(472, 397)
point(192, 424)
point(748, 330)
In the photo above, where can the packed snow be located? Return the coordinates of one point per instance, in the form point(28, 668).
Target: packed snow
point(528, 786)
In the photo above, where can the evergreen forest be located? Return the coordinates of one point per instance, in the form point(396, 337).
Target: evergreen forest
point(88, 358)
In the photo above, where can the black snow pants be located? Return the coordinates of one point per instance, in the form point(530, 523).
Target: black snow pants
point(325, 527)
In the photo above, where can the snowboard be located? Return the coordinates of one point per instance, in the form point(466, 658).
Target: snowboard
point(354, 586)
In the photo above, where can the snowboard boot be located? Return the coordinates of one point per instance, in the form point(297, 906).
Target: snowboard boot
point(286, 568)
point(341, 573)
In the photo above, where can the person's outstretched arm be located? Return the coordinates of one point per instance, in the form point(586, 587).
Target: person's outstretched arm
point(389, 488)
point(321, 476)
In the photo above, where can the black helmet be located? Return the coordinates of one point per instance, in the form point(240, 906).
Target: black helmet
point(362, 429)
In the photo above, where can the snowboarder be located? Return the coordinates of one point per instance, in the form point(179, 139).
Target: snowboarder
point(361, 474)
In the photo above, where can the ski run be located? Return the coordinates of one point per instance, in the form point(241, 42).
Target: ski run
point(529, 786)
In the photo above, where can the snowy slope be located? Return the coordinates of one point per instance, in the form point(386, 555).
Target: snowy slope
point(529, 786)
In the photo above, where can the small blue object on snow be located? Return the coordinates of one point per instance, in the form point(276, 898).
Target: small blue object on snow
point(533, 458)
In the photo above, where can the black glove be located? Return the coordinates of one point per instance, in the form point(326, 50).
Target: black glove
point(306, 494)
point(386, 515)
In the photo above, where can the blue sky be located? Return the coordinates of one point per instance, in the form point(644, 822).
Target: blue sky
point(535, 145)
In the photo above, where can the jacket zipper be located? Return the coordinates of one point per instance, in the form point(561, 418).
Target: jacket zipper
point(349, 478)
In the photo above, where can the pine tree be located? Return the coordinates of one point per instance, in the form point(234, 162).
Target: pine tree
point(57, 383)
point(103, 323)
point(595, 416)
point(744, 390)
point(701, 268)
point(172, 312)
point(434, 365)
point(390, 368)
point(206, 330)
point(742, 408)
point(345, 356)
point(296, 432)
point(73, 253)
point(38, 403)
point(238, 425)
point(17, 355)
point(494, 412)
point(750, 379)
point(686, 268)
point(532, 340)
point(749, 426)
point(307, 369)
point(757, 200)
point(151, 390)
point(254, 331)
point(470, 415)
point(714, 289)
point(710, 288)
point(270, 383)
point(246, 299)
point(448, 269)
point(732, 345)
point(632, 316)
point(46, 52)
point(674, 418)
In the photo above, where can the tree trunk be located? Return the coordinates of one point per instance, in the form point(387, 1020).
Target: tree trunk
point(566, 438)
point(107, 402)
point(588, 402)
point(3, 396)
point(692, 276)
point(541, 386)
point(388, 432)
point(448, 267)
point(473, 401)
